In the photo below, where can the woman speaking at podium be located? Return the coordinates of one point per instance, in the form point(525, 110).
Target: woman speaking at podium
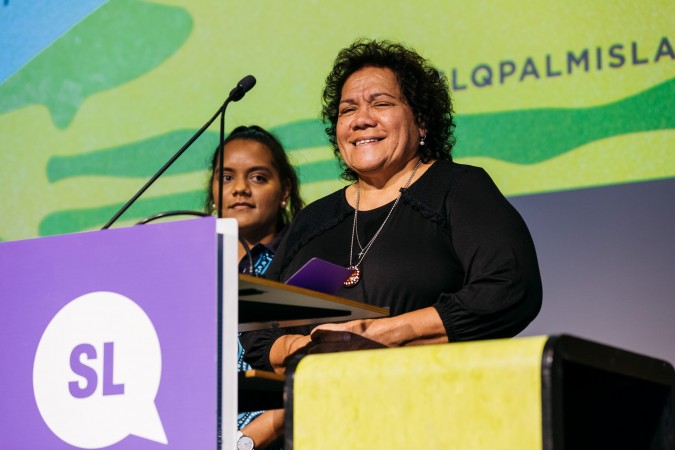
point(260, 190)
point(433, 240)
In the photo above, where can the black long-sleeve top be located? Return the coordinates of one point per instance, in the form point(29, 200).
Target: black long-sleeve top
point(453, 242)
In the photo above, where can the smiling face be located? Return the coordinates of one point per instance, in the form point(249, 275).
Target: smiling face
point(376, 131)
point(252, 190)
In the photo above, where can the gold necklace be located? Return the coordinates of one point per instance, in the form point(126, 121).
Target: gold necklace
point(355, 276)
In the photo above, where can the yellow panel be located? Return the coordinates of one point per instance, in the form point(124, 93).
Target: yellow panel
point(477, 395)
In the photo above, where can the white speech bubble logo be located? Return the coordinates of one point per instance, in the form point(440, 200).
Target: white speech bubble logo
point(97, 371)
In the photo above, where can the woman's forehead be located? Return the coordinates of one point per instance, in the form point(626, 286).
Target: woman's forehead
point(248, 152)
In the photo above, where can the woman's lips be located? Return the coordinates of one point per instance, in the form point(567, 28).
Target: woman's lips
point(239, 206)
point(366, 141)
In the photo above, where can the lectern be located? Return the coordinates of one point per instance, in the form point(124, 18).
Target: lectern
point(112, 338)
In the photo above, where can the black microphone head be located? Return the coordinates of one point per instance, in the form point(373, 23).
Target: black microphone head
point(247, 83)
point(244, 85)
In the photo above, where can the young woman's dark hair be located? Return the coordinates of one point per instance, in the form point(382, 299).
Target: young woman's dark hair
point(424, 88)
point(281, 164)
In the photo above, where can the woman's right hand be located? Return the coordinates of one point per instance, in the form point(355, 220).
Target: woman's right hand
point(286, 347)
point(266, 428)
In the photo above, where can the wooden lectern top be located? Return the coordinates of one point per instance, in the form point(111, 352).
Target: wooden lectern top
point(267, 304)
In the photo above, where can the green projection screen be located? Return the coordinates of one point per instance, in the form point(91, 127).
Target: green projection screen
point(568, 105)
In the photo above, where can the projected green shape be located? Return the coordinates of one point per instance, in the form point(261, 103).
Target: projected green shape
point(138, 159)
point(302, 134)
point(144, 158)
point(521, 137)
point(70, 221)
point(119, 42)
point(535, 135)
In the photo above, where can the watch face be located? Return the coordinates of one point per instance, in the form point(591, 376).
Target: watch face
point(245, 443)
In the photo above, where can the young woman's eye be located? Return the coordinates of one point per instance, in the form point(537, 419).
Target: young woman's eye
point(259, 178)
point(227, 177)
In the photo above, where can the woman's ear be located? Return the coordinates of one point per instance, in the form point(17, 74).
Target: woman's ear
point(423, 132)
point(422, 127)
point(286, 192)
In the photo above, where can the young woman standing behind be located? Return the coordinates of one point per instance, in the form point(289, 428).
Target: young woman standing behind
point(260, 190)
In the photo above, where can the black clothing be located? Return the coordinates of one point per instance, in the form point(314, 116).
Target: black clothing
point(453, 242)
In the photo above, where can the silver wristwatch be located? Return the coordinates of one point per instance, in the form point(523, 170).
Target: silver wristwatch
point(244, 442)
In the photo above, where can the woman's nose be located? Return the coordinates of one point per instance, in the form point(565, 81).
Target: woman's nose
point(363, 118)
point(240, 187)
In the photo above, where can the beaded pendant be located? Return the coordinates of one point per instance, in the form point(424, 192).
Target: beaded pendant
point(353, 278)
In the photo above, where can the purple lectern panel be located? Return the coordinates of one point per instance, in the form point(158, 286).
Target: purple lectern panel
point(108, 339)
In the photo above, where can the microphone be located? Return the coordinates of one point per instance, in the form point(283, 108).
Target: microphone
point(245, 85)
point(236, 94)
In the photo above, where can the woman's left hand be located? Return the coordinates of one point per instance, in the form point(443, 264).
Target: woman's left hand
point(340, 337)
point(423, 326)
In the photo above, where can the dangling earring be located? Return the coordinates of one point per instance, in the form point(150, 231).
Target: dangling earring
point(283, 204)
point(422, 140)
point(213, 205)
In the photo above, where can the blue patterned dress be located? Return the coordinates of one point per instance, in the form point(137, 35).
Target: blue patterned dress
point(262, 257)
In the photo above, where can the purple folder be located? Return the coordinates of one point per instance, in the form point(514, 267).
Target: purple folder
point(320, 275)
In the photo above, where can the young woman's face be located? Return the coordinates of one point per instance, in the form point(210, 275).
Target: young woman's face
point(253, 193)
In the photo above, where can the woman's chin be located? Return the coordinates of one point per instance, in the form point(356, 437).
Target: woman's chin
point(366, 167)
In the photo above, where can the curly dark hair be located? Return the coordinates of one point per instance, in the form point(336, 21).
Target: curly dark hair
point(424, 89)
point(279, 160)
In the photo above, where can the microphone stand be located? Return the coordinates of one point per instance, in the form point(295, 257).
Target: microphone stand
point(236, 94)
point(221, 166)
point(221, 163)
point(164, 168)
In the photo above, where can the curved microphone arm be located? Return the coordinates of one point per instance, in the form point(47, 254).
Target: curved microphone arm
point(245, 85)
